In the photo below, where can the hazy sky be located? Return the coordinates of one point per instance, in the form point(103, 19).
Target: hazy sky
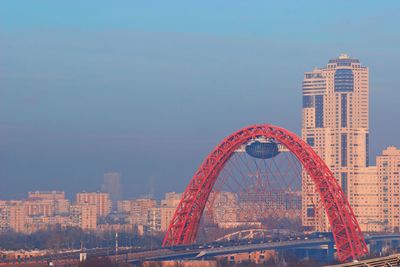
point(148, 88)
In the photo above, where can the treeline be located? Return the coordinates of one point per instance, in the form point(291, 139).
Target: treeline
point(73, 238)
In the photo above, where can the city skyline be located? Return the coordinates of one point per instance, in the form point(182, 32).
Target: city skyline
point(199, 133)
point(335, 123)
point(150, 192)
point(74, 91)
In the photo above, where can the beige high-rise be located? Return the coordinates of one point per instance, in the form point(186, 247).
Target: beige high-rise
point(99, 199)
point(12, 216)
point(84, 215)
point(61, 204)
point(168, 207)
point(388, 166)
point(335, 124)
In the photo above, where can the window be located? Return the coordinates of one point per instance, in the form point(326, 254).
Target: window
point(310, 212)
point(344, 80)
point(310, 141)
point(344, 149)
point(308, 101)
point(344, 182)
point(344, 110)
point(367, 149)
point(319, 111)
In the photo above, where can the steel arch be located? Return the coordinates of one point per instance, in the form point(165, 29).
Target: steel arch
point(348, 237)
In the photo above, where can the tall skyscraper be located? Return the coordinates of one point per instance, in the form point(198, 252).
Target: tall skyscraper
point(112, 186)
point(335, 124)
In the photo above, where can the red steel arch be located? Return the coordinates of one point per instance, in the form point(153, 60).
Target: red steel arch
point(347, 235)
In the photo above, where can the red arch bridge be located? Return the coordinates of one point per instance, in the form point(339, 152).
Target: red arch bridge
point(184, 226)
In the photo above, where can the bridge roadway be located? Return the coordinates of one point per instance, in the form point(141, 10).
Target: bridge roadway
point(210, 250)
point(183, 252)
point(187, 252)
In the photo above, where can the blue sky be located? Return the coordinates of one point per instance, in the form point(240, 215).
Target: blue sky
point(148, 88)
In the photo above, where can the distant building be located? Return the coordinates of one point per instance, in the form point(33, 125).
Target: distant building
point(60, 203)
point(100, 200)
point(84, 216)
point(13, 216)
point(257, 257)
point(225, 209)
point(153, 221)
point(366, 199)
point(388, 167)
point(139, 210)
point(171, 199)
point(37, 223)
point(22, 254)
point(39, 207)
point(112, 186)
point(166, 215)
point(124, 206)
point(167, 209)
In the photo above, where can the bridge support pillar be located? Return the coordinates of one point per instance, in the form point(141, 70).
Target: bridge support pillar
point(330, 252)
point(379, 247)
point(395, 245)
point(307, 254)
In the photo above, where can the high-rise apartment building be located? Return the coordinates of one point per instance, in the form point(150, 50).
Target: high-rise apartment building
point(167, 209)
point(153, 220)
point(366, 200)
point(112, 186)
point(99, 199)
point(388, 167)
point(226, 211)
point(171, 199)
point(124, 206)
point(60, 203)
point(39, 207)
point(139, 210)
point(12, 216)
point(84, 216)
point(335, 124)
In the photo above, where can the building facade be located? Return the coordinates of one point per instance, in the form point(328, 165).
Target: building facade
point(366, 200)
point(84, 216)
point(13, 216)
point(153, 221)
point(60, 203)
point(167, 209)
point(335, 123)
point(99, 199)
point(388, 166)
